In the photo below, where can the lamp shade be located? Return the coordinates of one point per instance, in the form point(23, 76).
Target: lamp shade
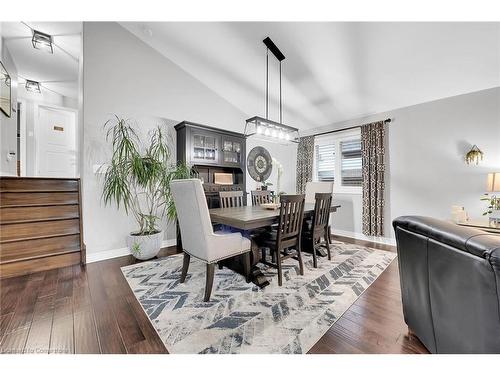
point(493, 184)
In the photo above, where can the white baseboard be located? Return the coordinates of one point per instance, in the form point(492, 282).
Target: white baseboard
point(115, 253)
point(360, 236)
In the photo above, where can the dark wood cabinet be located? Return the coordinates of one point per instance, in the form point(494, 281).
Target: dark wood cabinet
point(209, 151)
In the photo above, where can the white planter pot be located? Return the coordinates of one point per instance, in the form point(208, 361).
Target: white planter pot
point(145, 247)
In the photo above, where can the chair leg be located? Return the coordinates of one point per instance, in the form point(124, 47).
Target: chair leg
point(209, 282)
point(185, 266)
point(315, 259)
point(278, 262)
point(246, 266)
point(328, 242)
point(273, 257)
point(263, 250)
point(299, 255)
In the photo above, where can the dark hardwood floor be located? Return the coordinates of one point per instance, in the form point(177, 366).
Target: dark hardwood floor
point(92, 310)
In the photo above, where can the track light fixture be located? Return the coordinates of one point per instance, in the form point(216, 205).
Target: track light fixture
point(33, 86)
point(42, 41)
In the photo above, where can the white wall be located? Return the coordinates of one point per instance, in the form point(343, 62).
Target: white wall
point(8, 126)
point(123, 75)
point(286, 155)
point(426, 172)
point(31, 102)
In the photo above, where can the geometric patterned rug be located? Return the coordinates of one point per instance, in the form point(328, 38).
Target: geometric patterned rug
point(242, 318)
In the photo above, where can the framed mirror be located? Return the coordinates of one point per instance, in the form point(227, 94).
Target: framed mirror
point(5, 91)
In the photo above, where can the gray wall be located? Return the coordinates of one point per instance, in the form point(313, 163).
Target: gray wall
point(426, 172)
point(123, 75)
point(8, 126)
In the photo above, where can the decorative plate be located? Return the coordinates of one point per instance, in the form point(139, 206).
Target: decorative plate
point(259, 163)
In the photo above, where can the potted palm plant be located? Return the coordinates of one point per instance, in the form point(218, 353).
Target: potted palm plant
point(138, 179)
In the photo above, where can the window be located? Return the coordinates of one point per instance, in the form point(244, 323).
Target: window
point(325, 162)
point(351, 162)
point(337, 158)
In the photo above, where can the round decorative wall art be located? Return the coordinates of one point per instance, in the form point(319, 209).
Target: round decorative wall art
point(259, 164)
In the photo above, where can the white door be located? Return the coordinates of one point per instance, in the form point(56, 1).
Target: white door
point(56, 141)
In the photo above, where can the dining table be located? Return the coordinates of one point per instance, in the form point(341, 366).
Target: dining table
point(248, 220)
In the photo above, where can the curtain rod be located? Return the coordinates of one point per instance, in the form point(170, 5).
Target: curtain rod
point(386, 121)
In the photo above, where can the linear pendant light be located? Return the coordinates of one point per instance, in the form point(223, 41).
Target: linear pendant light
point(260, 127)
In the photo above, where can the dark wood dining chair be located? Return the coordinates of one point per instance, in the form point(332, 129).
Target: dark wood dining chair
point(261, 196)
point(319, 225)
point(231, 199)
point(287, 235)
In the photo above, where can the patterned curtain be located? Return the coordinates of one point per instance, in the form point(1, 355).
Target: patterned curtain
point(305, 154)
point(373, 154)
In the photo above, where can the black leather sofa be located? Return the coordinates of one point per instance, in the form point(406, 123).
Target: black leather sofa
point(450, 284)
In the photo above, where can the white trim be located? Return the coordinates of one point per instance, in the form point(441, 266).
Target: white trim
point(361, 236)
point(115, 253)
point(22, 142)
point(336, 139)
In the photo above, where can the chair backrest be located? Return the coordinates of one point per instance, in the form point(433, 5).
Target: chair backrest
point(193, 216)
point(317, 187)
point(291, 216)
point(261, 196)
point(231, 198)
point(322, 210)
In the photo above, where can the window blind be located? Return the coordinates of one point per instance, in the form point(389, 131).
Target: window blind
point(325, 162)
point(351, 172)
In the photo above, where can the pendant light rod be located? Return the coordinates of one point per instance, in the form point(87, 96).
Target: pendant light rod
point(267, 84)
point(281, 111)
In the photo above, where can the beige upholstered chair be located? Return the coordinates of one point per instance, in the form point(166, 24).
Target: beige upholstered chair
point(198, 237)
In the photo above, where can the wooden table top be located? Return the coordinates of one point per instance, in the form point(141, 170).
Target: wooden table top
point(252, 217)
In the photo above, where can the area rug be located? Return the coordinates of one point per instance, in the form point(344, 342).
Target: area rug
point(240, 317)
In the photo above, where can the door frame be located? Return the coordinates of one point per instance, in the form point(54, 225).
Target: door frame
point(22, 143)
point(36, 134)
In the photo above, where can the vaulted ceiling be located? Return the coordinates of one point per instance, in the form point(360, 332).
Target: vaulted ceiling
point(57, 72)
point(332, 71)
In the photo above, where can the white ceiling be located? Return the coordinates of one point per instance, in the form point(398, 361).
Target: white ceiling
point(58, 71)
point(332, 71)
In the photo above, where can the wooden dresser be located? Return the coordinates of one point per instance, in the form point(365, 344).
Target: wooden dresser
point(40, 224)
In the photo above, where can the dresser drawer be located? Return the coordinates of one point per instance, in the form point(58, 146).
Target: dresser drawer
point(28, 249)
point(37, 199)
point(15, 232)
point(9, 214)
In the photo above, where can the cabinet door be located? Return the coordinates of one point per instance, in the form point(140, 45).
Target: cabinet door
point(204, 147)
point(232, 150)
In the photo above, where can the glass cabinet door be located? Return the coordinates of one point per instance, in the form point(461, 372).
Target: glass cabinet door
point(210, 148)
point(231, 151)
point(204, 147)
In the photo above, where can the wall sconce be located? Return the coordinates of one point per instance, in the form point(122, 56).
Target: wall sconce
point(474, 155)
point(42, 41)
point(33, 86)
